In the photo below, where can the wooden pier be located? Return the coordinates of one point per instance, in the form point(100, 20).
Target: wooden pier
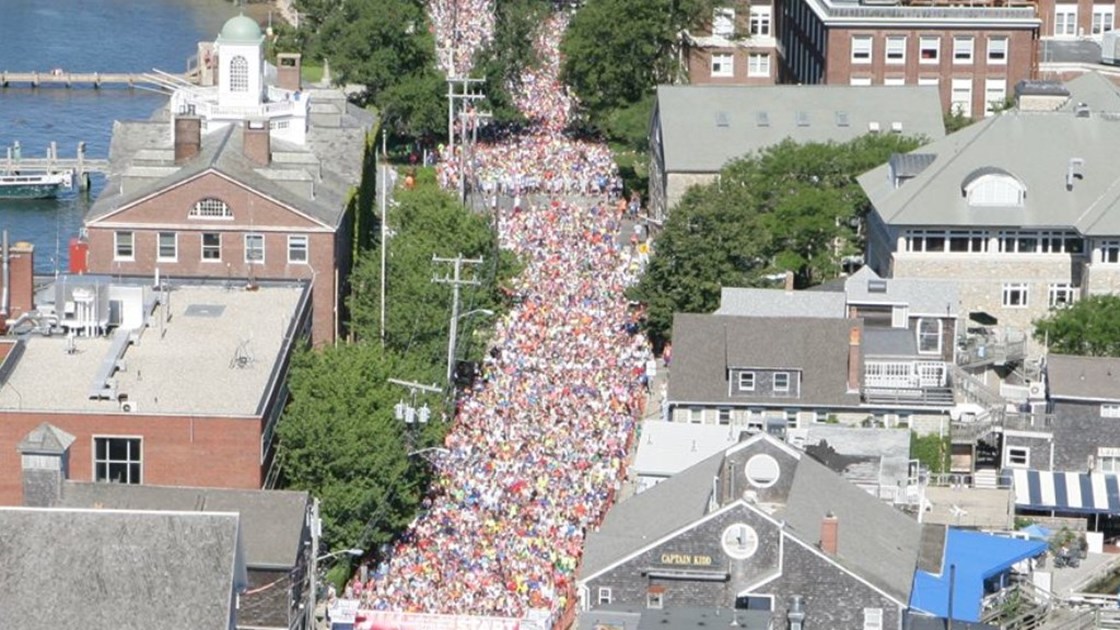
point(81, 166)
point(90, 79)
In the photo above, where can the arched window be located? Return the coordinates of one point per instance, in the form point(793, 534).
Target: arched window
point(992, 186)
point(238, 74)
point(210, 208)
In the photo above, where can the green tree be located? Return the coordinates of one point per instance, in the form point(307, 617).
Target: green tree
point(510, 52)
point(1089, 327)
point(416, 106)
point(931, 450)
point(789, 208)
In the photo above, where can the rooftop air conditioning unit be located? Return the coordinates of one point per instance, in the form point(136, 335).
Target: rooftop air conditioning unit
point(873, 126)
point(896, 127)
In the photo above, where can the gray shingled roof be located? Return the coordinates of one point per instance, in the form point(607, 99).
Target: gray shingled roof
point(779, 303)
point(45, 439)
point(876, 541)
point(889, 342)
point(1037, 148)
point(694, 140)
point(923, 296)
point(109, 570)
point(1094, 378)
point(271, 520)
point(705, 345)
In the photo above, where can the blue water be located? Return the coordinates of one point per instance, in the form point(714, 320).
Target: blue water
point(86, 36)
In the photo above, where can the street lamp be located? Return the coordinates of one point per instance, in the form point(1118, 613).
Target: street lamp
point(354, 553)
point(452, 339)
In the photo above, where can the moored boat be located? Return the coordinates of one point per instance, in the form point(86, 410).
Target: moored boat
point(17, 185)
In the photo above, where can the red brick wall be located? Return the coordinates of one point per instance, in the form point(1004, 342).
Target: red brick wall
point(21, 271)
point(207, 452)
point(251, 213)
point(700, 67)
point(1084, 15)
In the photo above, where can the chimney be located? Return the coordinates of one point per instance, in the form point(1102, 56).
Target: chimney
point(188, 137)
point(288, 71)
point(830, 534)
point(789, 281)
point(256, 142)
point(853, 359)
point(45, 458)
point(17, 284)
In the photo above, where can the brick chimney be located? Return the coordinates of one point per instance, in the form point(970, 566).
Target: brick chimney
point(853, 359)
point(257, 142)
point(17, 282)
point(45, 463)
point(188, 137)
point(288, 71)
point(830, 534)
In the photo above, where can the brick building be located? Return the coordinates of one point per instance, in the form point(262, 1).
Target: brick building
point(245, 180)
point(181, 384)
point(1077, 19)
point(974, 55)
point(738, 46)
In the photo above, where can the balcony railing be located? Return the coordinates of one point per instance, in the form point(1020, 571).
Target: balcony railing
point(992, 347)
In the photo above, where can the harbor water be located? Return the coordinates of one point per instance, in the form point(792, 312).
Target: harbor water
point(101, 36)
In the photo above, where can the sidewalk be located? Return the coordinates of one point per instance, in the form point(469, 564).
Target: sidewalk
point(652, 413)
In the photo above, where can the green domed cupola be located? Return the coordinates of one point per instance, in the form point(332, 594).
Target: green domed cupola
point(240, 30)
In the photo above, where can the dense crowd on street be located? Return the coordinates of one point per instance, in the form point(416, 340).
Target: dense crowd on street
point(539, 445)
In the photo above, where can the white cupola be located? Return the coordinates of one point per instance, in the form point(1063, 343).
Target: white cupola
point(241, 63)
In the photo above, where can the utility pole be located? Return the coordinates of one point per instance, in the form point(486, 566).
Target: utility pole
point(458, 88)
point(456, 281)
point(316, 531)
point(383, 177)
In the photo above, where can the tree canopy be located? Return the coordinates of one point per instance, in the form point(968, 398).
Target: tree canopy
point(791, 207)
point(1089, 327)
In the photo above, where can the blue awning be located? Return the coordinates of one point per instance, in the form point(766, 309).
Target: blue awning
point(977, 557)
point(1085, 493)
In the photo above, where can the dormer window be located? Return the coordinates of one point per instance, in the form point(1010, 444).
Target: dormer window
point(210, 208)
point(993, 187)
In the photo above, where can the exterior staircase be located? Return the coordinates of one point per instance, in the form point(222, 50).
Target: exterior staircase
point(987, 478)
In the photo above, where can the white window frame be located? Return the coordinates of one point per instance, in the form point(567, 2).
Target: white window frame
point(293, 246)
point(922, 334)
point(863, 48)
point(783, 389)
point(929, 43)
point(997, 50)
point(1065, 20)
point(894, 81)
point(723, 21)
point(723, 415)
point(210, 208)
point(964, 49)
point(174, 257)
point(696, 415)
point(109, 461)
point(762, 21)
point(1104, 18)
point(758, 64)
point(248, 248)
point(872, 619)
point(1061, 294)
point(1107, 463)
point(894, 52)
point(123, 250)
point(929, 81)
point(1023, 451)
point(1110, 410)
point(604, 595)
point(239, 74)
point(995, 95)
point(723, 64)
point(655, 601)
point(1110, 252)
point(203, 247)
point(860, 81)
point(964, 106)
point(745, 378)
point(1010, 290)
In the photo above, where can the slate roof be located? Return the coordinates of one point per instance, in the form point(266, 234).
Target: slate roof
point(45, 439)
point(876, 541)
point(779, 303)
point(694, 140)
point(116, 570)
point(889, 342)
point(271, 520)
point(705, 345)
point(923, 296)
point(1037, 148)
point(1093, 378)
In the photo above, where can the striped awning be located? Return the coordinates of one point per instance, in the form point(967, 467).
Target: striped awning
point(1087, 493)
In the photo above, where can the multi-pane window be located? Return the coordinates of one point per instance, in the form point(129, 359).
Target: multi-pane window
point(210, 208)
point(297, 248)
point(1110, 410)
point(861, 81)
point(1018, 457)
point(861, 48)
point(746, 381)
point(896, 49)
point(958, 241)
point(696, 415)
point(995, 94)
point(758, 65)
point(1061, 294)
point(962, 49)
point(960, 98)
point(1015, 294)
point(604, 595)
point(723, 21)
point(254, 248)
point(1108, 463)
point(929, 49)
point(724, 415)
point(929, 335)
point(781, 381)
point(760, 21)
point(168, 247)
point(124, 246)
point(211, 246)
point(1040, 243)
point(117, 460)
point(1065, 20)
point(997, 50)
point(1104, 16)
point(239, 74)
point(872, 619)
point(723, 65)
point(1110, 252)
